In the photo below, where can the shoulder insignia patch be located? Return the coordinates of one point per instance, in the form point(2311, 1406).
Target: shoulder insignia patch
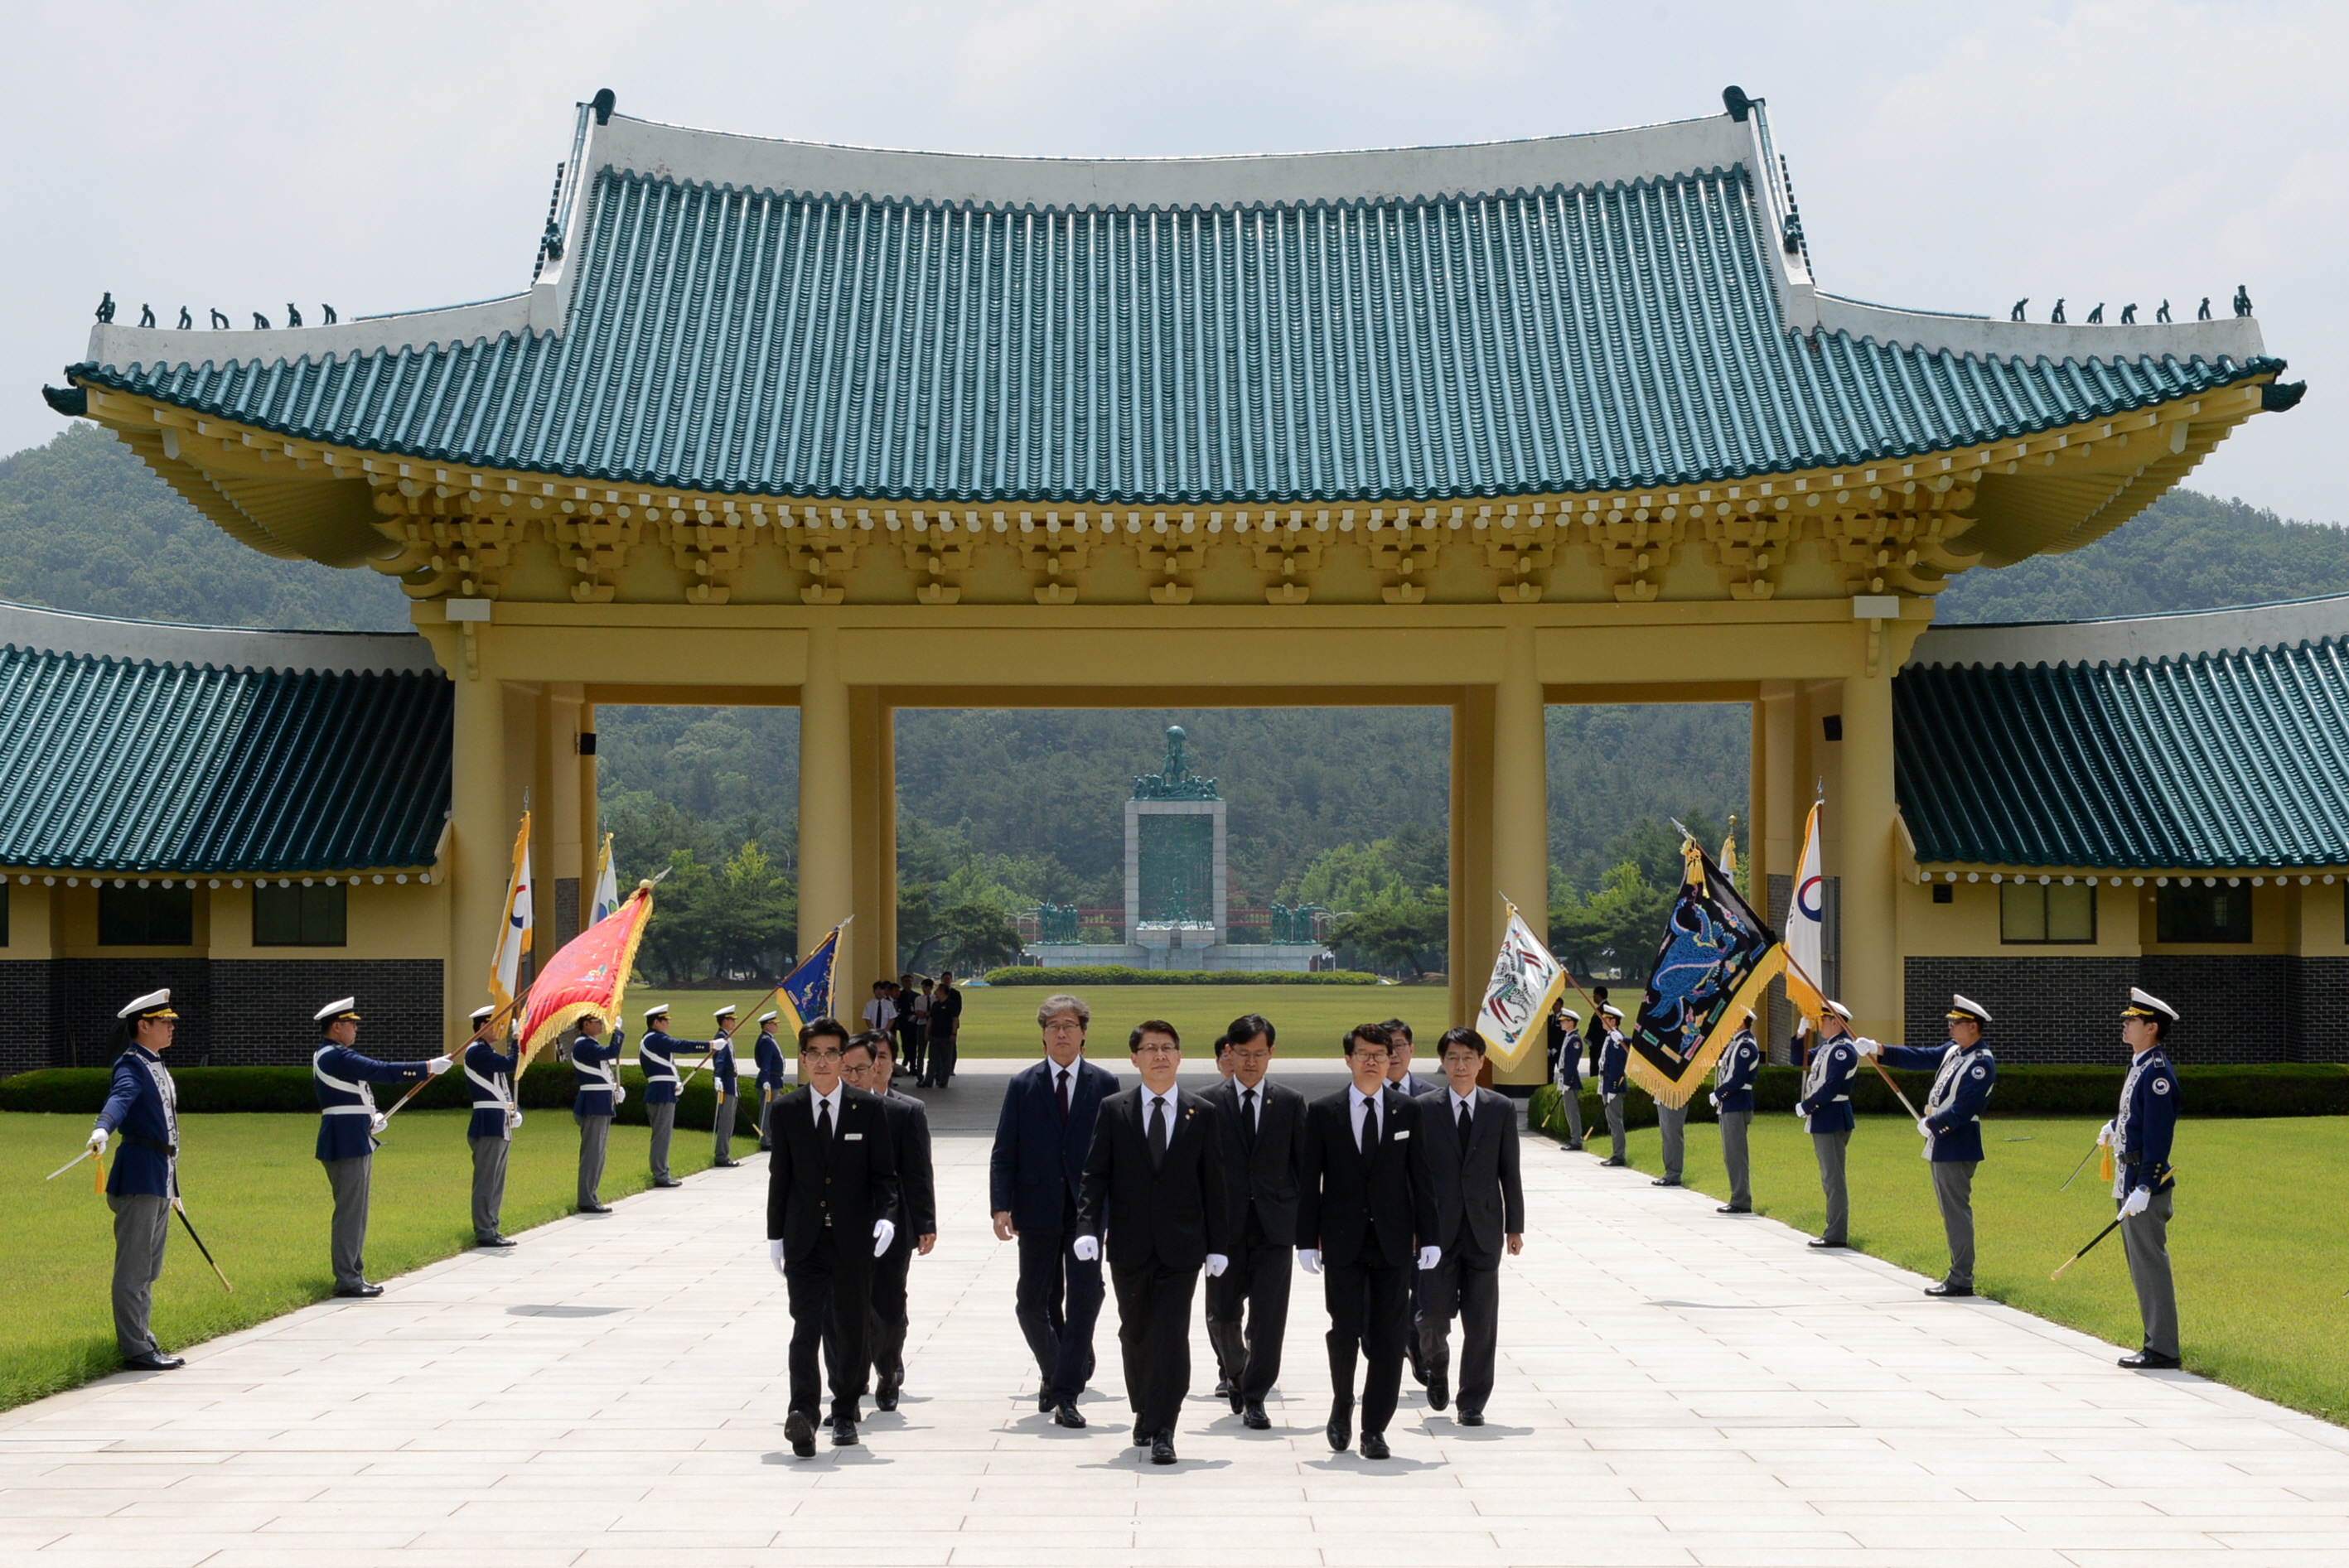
point(1981, 1072)
point(2161, 1086)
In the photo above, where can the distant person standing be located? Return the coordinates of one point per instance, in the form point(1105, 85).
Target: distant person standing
point(1963, 1074)
point(656, 1059)
point(2141, 1138)
point(724, 1077)
point(596, 1096)
point(347, 1124)
point(1035, 1182)
point(1480, 1213)
point(143, 1105)
point(1732, 1096)
point(946, 1031)
point(769, 1056)
point(880, 1012)
point(1566, 1068)
point(1671, 1125)
point(913, 1017)
point(490, 1132)
point(1826, 1110)
point(1596, 1037)
point(1614, 1061)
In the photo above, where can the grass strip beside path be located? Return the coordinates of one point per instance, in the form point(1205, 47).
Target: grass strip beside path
point(261, 1202)
point(2260, 1245)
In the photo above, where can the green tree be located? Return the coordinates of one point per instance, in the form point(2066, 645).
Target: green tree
point(1400, 929)
point(1613, 930)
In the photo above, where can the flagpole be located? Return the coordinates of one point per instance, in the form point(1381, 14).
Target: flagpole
point(495, 1021)
point(1913, 1113)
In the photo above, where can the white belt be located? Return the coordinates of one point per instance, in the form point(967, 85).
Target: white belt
point(611, 1079)
point(497, 1101)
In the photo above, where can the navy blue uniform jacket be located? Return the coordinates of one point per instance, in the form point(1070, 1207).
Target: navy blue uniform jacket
point(483, 1059)
point(769, 1054)
point(140, 1107)
point(1962, 1086)
point(1741, 1064)
point(590, 1060)
point(1037, 1172)
point(345, 1127)
point(2147, 1124)
point(1826, 1086)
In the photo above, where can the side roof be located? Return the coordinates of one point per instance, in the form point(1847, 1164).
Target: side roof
point(141, 764)
point(2206, 742)
point(733, 315)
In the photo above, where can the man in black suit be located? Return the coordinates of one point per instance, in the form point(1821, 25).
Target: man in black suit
point(1480, 1206)
point(867, 1064)
point(1154, 1184)
point(1364, 1202)
point(1248, 1304)
point(832, 1185)
point(1034, 1179)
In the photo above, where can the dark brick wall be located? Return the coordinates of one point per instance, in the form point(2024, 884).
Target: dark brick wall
point(86, 992)
point(24, 1005)
point(264, 1007)
point(2248, 1008)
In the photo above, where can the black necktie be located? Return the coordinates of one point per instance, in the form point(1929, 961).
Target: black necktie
point(1064, 1094)
point(824, 1120)
point(1369, 1127)
point(1247, 1115)
point(1157, 1129)
point(1464, 1131)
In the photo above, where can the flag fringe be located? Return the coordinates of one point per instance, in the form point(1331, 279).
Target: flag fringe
point(1678, 1094)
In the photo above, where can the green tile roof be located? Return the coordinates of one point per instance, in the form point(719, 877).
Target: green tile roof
point(112, 765)
point(1587, 334)
point(2212, 761)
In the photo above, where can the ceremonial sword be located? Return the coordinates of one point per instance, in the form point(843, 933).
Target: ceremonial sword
point(2107, 1230)
point(2083, 1165)
point(179, 1209)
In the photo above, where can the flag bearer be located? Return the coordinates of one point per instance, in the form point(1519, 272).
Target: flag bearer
point(1963, 1073)
point(347, 1124)
point(1566, 1067)
point(1826, 1110)
point(142, 1104)
point(1614, 1059)
point(496, 1114)
point(1732, 1096)
point(723, 1077)
point(657, 1055)
point(2139, 1137)
point(597, 1096)
point(769, 1056)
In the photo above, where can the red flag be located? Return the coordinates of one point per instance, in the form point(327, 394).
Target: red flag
point(589, 976)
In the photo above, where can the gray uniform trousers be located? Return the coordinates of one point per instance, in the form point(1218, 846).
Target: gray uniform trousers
point(594, 1137)
point(2145, 1240)
point(664, 1120)
point(1615, 1121)
point(1954, 1190)
point(142, 1224)
point(1570, 1101)
point(1672, 1121)
point(1735, 1157)
point(721, 1136)
point(1829, 1148)
point(350, 1179)
point(489, 1185)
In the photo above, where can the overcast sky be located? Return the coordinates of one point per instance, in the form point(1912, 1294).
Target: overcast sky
point(1950, 156)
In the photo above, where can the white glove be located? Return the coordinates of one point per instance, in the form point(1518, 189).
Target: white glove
point(1924, 1128)
point(377, 1122)
point(883, 1232)
point(1086, 1249)
point(1309, 1259)
point(1714, 1099)
point(1429, 1257)
point(1216, 1263)
point(97, 1141)
point(2105, 1136)
point(513, 1120)
point(438, 1065)
point(1800, 1112)
point(1868, 1047)
point(775, 1255)
point(2138, 1200)
point(619, 1095)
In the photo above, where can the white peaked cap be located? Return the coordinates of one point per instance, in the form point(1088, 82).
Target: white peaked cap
point(767, 1018)
point(1839, 1010)
point(1571, 1014)
point(479, 1014)
point(723, 1012)
point(336, 1009)
point(1611, 1010)
point(2144, 1001)
point(656, 1010)
point(1969, 1006)
point(150, 1003)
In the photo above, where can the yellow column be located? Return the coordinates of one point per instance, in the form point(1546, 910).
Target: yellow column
point(827, 831)
point(1473, 930)
point(1871, 958)
point(872, 850)
point(1520, 785)
point(481, 835)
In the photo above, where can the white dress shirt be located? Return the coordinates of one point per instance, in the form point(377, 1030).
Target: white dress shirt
point(1355, 1100)
point(831, 1099)
point(1251, 1105)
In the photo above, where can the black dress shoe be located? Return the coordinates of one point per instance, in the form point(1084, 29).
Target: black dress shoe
point(594, 1208)
point(1223, 1387)
point(1574, 1146)
point(1045, 1401)
point(1439, 1390)
point(885, 1397)
point(2150, 1361)
point(493, 1240)
point(844, 1433)
point(1470, 1418)
point(1141, 1437)
point(1665, 1181)
point(362, 1290)
point(801, 1430)
point(1238, 1399)
point(724, 1164)
point(1948, 1290)
point(1823, 1242)
point(667, 1182)
point(1342, 1431)
point(1614, 1162)
point(1374, 1446)
point(1066, 1414)
point(1162, 1448)
point(1254, 1417)
point(1732, 1209)
point(152, 1361)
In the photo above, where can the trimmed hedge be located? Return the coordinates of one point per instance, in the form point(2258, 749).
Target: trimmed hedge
point(545, 1087)
point(1124, 975)
point(2272, 1089)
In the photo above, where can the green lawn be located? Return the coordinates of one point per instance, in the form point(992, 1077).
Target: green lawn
point(261, 1200)
point(999, 1021)
point(2260, 1243)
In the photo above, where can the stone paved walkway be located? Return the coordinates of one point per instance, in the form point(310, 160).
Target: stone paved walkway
point(1676, 1387)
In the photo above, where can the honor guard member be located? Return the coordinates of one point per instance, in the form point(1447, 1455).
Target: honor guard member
point(143, 1188)
point(347, 1124)
point(656, 1057)
point(495, 1116)
point(1732, 1096)
point(768, 1053)
point(1671, 1125)
point(598, 1097)
point(1963, 1073)
point(2139, 1137)
point(1614, 1060)
point(722, 1078)
point(1826, 1110)
point(1565, 1070)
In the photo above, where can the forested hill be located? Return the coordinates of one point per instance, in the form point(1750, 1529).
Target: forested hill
point(83, 526)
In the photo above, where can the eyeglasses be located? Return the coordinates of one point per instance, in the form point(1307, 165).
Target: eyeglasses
point(1064, 1026)
point(1157, 1049)
point(814, 1055)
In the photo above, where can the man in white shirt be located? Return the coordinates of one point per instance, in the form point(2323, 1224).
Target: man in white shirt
point(1480, 1209)
point(881, 1013)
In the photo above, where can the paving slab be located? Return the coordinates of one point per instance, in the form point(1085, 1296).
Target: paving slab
point(1675, 1388)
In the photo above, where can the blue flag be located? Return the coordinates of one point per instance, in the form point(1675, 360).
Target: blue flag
point(807, 994)
point(1715, 958)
